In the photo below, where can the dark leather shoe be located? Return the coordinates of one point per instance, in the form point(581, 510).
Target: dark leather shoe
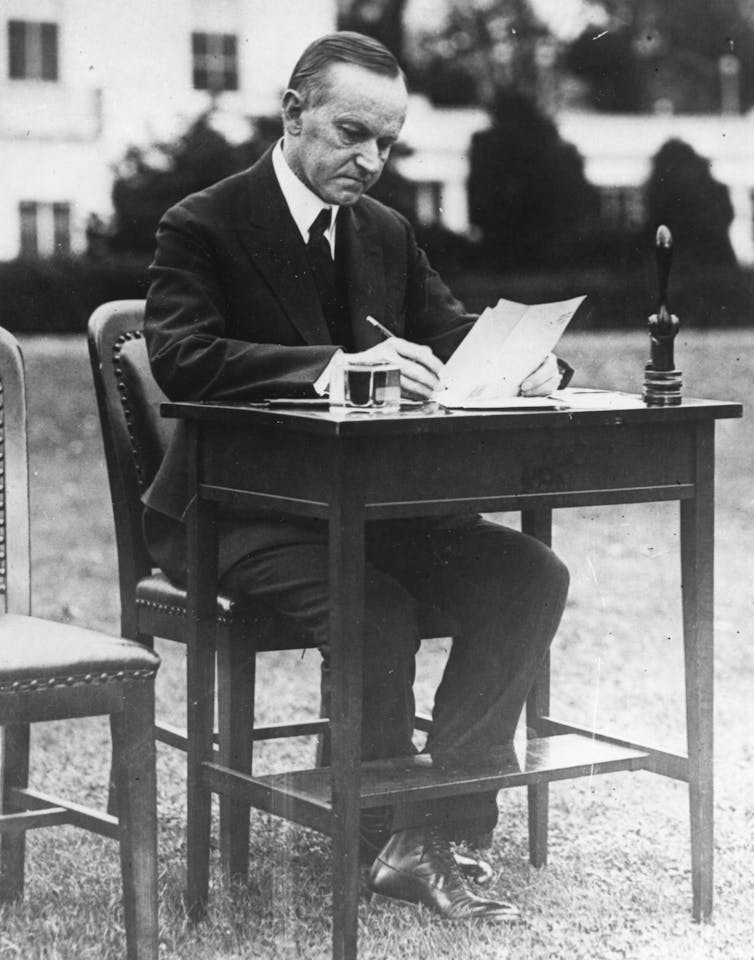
point(375, 834)
point(419, 866)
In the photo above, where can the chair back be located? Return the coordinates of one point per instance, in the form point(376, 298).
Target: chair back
point(134, 434)
point(15, 557)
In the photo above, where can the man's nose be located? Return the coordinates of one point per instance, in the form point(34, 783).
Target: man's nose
point(369, 158)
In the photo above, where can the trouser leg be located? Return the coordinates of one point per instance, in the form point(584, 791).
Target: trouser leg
point(505, 592)
point(294, 580)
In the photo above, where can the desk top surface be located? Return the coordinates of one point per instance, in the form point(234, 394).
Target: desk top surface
point(433, 419)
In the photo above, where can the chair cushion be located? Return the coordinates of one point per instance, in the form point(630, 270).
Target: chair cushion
point(35, 652)
point(160, 602)
point(157, 591)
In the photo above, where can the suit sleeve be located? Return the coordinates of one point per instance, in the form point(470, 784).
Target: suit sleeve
point(193, 352)
point(433, 316)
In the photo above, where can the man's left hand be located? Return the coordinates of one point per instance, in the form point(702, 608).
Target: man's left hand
point(543, 380)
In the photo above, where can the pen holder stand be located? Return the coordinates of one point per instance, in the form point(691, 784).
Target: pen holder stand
point(662, 382)
point(662, 388)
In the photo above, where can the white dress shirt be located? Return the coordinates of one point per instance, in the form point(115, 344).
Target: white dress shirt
point(305, 206)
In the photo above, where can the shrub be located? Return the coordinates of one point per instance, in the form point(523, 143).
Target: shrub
point(57, 296)
point(527, 189)
point(149, 181)
point(682, 193)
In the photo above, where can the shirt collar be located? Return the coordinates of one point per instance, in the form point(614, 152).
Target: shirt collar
point(303, 203)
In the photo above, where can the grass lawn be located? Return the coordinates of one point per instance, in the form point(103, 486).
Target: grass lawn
point(618, 882)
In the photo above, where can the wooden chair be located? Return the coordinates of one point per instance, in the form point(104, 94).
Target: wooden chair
point(52, 671)
point(135, 437)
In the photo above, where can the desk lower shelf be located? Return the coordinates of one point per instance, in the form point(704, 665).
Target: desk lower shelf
point(305, 795)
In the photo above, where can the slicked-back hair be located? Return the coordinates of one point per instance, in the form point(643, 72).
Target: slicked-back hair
point(309, 77)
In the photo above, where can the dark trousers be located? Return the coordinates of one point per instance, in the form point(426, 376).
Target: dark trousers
point(501, 594)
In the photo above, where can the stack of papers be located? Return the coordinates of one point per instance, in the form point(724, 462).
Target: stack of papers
point(507, 343)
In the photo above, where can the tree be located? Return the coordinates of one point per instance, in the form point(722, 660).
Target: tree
point(527, 190)
point(644, 52)
point(150, 180)
point(381, 19)
point(478, 47)
point(683, 194)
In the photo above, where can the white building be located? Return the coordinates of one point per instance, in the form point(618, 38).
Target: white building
point(80, 80)
point(618, 152)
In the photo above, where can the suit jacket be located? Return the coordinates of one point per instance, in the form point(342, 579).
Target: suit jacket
point(233, 313)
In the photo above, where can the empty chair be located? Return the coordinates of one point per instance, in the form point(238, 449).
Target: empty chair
point(53, 671)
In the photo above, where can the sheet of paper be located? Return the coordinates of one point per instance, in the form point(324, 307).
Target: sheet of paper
point(505, 345)
point(593, 398)
point(512, 403)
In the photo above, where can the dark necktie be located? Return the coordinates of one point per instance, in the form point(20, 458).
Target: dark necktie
point(323, 270)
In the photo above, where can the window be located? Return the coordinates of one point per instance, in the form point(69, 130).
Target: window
point(623, 206)
point(32, 50)
point(215, 61)
point(45, 229)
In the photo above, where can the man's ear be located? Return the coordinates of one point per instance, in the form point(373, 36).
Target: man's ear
point(293, 106)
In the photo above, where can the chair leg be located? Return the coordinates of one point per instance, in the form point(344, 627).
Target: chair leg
point(134, 758)
point(148, 641)
point(236, 674)
point(14, 773)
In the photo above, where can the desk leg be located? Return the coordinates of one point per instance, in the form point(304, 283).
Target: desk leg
point(538, 523)
point(200, 678)
point(697, 559)
point(346, 635)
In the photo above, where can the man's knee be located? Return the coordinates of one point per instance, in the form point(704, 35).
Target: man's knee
point(539, 564)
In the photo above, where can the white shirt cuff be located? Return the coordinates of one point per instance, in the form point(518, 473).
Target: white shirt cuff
point(322, 383)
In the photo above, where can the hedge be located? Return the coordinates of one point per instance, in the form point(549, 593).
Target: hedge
point(58, 296)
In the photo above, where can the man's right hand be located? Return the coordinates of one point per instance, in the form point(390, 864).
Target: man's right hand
point(420, 368)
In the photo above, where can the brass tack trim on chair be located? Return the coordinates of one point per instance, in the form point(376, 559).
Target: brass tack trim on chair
point(125, 400)
point(23, 686)
point(167, 608)
point(174, 611)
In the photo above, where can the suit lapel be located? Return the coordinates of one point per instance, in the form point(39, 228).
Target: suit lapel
point(365, 273)
point(272, 240)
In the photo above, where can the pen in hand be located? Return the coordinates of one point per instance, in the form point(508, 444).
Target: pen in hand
point(378, 326)
point(420, 368)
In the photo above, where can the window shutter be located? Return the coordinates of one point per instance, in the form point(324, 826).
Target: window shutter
point(49, 51)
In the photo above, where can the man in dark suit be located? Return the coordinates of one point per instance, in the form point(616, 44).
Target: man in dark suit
point(259, 286)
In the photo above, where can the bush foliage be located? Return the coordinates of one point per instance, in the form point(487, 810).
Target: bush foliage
point(57, 296)
point(541, 234)
point(150, 181)
point(527, 189)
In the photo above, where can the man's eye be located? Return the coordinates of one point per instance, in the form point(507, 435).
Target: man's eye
point(351, 134)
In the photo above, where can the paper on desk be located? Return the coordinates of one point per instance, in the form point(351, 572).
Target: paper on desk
point(595, 398)
point(552, 402)
point(505, 345)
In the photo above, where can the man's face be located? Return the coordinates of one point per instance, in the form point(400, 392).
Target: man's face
point(338, 145)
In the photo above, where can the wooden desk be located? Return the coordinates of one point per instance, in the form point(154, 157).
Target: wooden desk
point(358, 468)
